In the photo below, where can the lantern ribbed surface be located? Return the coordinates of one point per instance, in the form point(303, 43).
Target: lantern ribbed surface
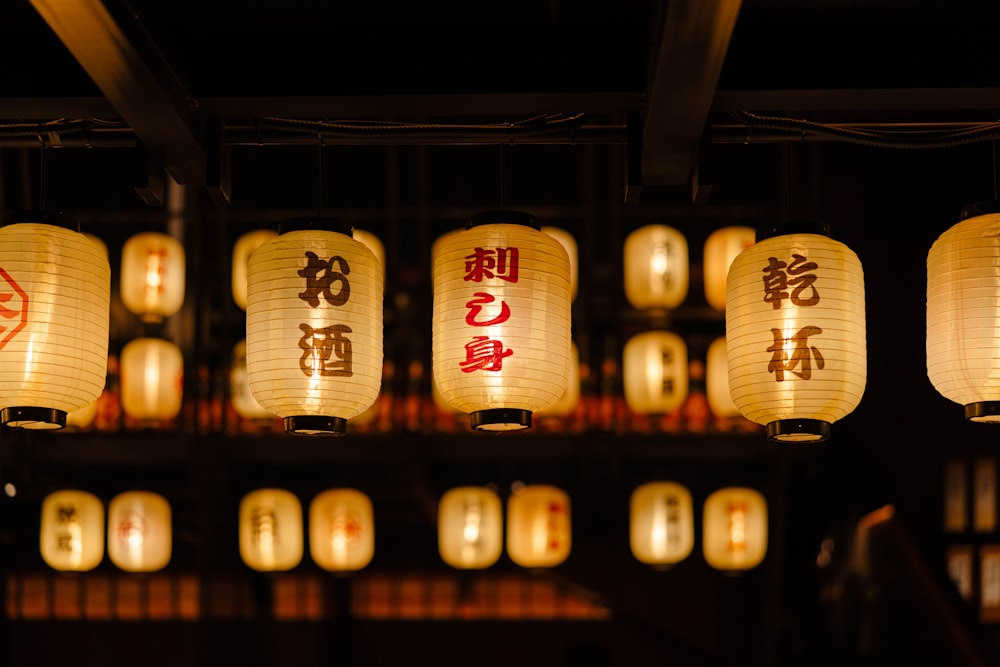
point(152, 276)
point(656, 267)
point(661, 523)
point(655, 372)
point(244, 403)
point(140, 531)
point(795, 334)
point(152, 379)
point(56, 285)
point(470, 527)
point(501, 323)
point(963, 316)
point(242, 249)
point(314, 329)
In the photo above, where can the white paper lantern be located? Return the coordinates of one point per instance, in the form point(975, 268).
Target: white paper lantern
point(314, 326)
point(152, 379)
point(656, 267)
point(72, 531)
point(539, 526)
point(963, 301)
point(501, 320)
point(470, 527)
point(341, 530)
point(242, 249)
point(55, 295)
point(81, 418)
point(661, 523)
point(720, 399)
point(569, 244)
point(152, 275)
point(795, 332)
point(721, 248)
point(140, 531)
point(570, 398)
point(270, 530)
point(373, 243)
point(655, 372)
point(734, 534)
point(244, 403)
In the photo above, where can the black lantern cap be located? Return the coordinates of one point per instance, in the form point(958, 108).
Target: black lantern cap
point(798, 430)
point(482, 420)
point(503, 217)
point(983, 411)
point(317, 223)
point(33, 417)
point(979, 208)
point(315, 425)
point(792, 227)
point(54, 218)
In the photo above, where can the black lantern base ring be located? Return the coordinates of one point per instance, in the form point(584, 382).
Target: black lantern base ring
point(33, 418)
point(315, 425)
point(984, 411)
point(798, 430)
point(500, 419)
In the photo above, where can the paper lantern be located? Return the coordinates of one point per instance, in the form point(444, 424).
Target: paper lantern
point(314, 326)
point(655, 372)
point(570, 398)
point(152, 275)
point(72, 531)
point(795, 332)
point(152, 379)
point(244, 403)
point(734, 534)
point(656, 267)
point(721, 248)
point(270, 530)
point(341, 530)
point(538, 526)
point(139, 531)
point(242, 249)
point(501, 320)
point(569, 245)
point(470, 527)
point(373, 243)
point(82, 418)
point(55, 295)
point(720, 400)
point(963, 295)
point(661, 523)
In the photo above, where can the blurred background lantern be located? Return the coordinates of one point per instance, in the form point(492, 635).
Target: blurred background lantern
point(72, 530)
point(501, 320)
point(82, 418)
point(341, 530)
point(720, 399)
point(795, 332)
point(242, 249)
point(470, 527)
point(570, 398)
point(538, 525)
point(152, 379)
point(721, 247)
point(244, 403)
point(569, 245)
point(314, 326)
point(56, 283)
point(270, 530)
point(734, 531)
point(656, 267)
point(152, 275)
point(655, 372)
point(140, 531)
point(373, 243)
point(661, 523)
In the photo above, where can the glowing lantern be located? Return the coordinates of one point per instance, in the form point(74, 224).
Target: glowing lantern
point(734, 534)
point(569, 244)
point(83, 417)
point(242, 249)
point(341, 530)
point(661, 523)
point(152, 277)
point(373, 243)
point(538, 526)
point(656, 267)
point(72, 531)
point(571, 396)
point(314, 326)
point(721, 248)
point(501, 320)
point(720, 400)
point(470, 527)
point(270, 530)
point(244, 403)
point(655, 372)
point(795, 332)
point(963, 336)
point(54, 338)
point(139, 531)
point(152, 379)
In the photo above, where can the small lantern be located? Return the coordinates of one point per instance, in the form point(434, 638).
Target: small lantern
point(242, 249)
point(734, 535)
point(569, 244)
point(270, 530)
point(720, 400)
point(661, 523)
point(570, 398)
point(72, 531)
point(470, 527)
point(656, 267)
point(721, 248)
point(341, 530)
point(152, 277)
point(244, 403)
point(795, 332)
point(501, 320)
point(314, 326)
point(655, 372)
point(538, 526)
point(139, 531)
point(152, 379)
point(82, 418)
point(55, 286)
point(963, 330)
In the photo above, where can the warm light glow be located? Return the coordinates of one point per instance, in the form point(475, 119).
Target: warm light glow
point(538, 526)
point(242, 249)
point(152, 379)
point(735, 529)
point(720, 399)
point(655, 372)
point(470, 527)
point(656, 267)
point(661, 523)
point(341, 530)
point(569, 244)
point(140, 531)
point(721, 247)
point(152, 275)
point(373, 243)
point(243, 401)
point(72, 531)
point(270, 530)
point(570, 398)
